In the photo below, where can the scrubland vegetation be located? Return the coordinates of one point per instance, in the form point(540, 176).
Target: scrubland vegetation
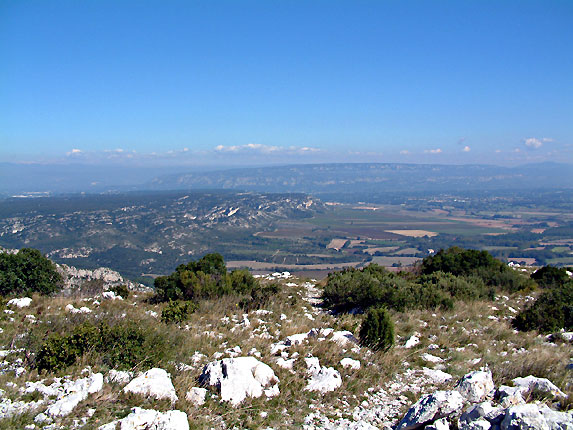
point(455, 314)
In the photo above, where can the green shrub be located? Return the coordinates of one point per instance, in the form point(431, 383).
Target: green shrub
point(377, 330)
point(122, 346)
point(551, 312)
point(26, 272)
point(177, 312)
point(121, 290)
point(203, 279)
point(59, 352)
point(550, 276)
point(473, 263)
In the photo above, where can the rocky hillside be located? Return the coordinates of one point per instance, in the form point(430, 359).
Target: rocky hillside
point(142, 232)
point(287, 364)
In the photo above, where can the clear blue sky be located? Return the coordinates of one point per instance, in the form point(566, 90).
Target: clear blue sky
point(206, 82)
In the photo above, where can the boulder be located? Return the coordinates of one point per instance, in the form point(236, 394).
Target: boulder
point(153, 383)
point(140, 419)
point(325, 380)
point(430, 408)
point(476, 386)
point(543, 385)
point(239, 378)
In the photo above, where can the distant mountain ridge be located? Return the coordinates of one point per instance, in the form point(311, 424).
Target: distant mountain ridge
point(320, 179)
point(375, 177)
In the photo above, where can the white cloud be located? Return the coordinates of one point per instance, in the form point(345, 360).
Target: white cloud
point(547, 140)
point(467, 149)
point(533, 143)
point(259, 148)
point(433, 151)
point(74, 151)
point(405, 152)
point(497, 151)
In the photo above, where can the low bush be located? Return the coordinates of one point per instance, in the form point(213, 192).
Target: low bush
point(377, 330)
point(374, 286)
point(177, 312)
point(203, 279)
point(551, 312)
point(122, 346)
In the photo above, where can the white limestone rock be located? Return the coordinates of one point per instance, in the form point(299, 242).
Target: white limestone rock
point(510, 396)
point(476, 386)
point(73, 393)
point(430, 408)
point(153, 383)
point(110, 295)
point(441, 424)
point(350, 363)
point(239, 378)
point(148, 419)
point(118, 376)
point(532, 416)
point(412, 342)
point(23, 302)
point(312, 365)
point(325, 380)
point(436, 375)
point(476, 414)
point(343, 338)
point(431, 358)
point(196, 396)
point(539, 384)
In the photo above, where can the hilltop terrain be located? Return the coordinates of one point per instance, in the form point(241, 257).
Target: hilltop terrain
point(284, 361)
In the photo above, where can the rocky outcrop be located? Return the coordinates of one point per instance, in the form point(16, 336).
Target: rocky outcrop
point(239, 378)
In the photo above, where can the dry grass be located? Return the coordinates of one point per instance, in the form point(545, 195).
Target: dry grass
point(462, 335)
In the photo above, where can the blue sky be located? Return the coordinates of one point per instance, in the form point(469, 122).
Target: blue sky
point(254, 82)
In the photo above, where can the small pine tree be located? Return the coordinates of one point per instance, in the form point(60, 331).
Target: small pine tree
point(377, 330)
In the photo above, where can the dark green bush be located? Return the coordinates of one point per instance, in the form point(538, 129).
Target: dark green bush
point(377, 330)
point(59, 351)
point(121, 346)
point(552, 311)
point(26, 272)
point(374, 286)
point(177, 312)
point(473, 263)
point(203, 279)
point(550, 276)
point(121, 290)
